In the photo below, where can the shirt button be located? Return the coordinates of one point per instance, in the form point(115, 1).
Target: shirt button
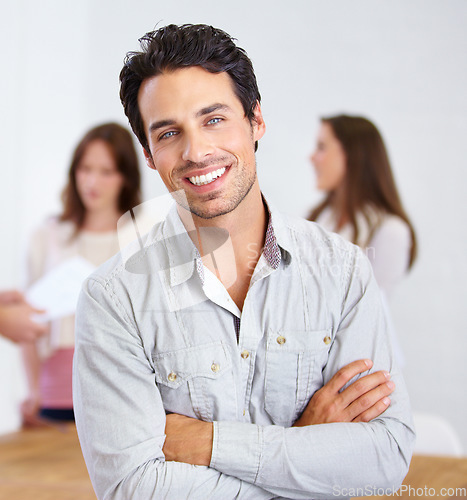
point(281, 340)
point(215, 367)
point(327, 340)
point(245, 354)
point(172, 377)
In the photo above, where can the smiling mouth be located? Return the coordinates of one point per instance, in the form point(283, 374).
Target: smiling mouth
point(201, 180)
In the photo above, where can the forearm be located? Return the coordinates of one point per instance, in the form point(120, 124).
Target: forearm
point(121, 419)
point(173, 480)
point(125, 459)
point(311, 461)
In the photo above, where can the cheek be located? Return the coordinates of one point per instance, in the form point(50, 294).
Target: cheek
point(165, 158)
point(80, 179)
point(340, 168)
point(239, 143)
point(318, 158)
point(114, 185)
point(335, 174)
point(119, 184)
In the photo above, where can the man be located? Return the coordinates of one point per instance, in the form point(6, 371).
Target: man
point(203, 360)
point(15, 318)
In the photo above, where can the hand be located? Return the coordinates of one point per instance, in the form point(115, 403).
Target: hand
point(11, 297)
point(187, 440)
point(15, 318)
point(363, 400)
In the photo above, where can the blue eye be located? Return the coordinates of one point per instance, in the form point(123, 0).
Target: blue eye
point(213, 121)
point(169, 134)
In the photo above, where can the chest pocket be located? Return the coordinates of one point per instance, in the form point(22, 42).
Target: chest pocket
point(294, 363)
point(194, 378)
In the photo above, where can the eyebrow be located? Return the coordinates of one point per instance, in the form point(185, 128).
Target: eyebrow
point(202, 112)
point(210, 109)
point(160, 124)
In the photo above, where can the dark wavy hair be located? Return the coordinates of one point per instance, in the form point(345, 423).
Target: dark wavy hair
point(368, 180)
point(120, 142)
point(173, 47)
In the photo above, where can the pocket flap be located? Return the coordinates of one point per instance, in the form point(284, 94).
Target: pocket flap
point(177, 367)
point(299, 341)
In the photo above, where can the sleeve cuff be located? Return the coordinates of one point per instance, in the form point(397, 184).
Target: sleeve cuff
point(236, 449)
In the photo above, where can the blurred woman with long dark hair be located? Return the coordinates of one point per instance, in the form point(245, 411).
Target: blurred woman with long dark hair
point(362, 202)
point(103, 183)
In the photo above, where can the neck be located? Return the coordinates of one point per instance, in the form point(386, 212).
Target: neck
point(234, 261)
point(338, 205)
point(101, 220)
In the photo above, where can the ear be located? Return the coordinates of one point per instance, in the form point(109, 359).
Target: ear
point(259, 127)
point(149, 161)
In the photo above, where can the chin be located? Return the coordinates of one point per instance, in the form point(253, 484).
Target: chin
point(205, 212)
point(322, 186)
point(92, 206)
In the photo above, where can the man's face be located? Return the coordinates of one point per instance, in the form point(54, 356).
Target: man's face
point(200, 140)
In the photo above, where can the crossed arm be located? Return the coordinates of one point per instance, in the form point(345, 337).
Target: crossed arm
point(190, 440)
point(133, 449)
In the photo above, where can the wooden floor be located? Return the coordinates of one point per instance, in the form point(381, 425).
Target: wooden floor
point(43, 464)
point(46, 464)
point(441, 477)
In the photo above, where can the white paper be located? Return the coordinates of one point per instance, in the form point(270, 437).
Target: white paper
point(57, 291)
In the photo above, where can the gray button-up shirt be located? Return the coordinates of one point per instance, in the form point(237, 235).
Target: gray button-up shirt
point(158, 333)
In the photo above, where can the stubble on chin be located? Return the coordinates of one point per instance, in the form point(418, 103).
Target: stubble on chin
point(198, 206)
point(225, 207)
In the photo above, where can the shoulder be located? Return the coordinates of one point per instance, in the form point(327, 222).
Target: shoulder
point(326, 219)
point(317, 250)
point(389, 252)
point(51, 233)
point(392, 230)
point(122, 267)
point(53, 226)
point(312, 234)
point(327, 263)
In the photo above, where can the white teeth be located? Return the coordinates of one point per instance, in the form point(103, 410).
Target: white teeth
point(208, 178)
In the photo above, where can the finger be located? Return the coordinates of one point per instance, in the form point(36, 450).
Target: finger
point(363, 385)
point(347, 373)
point(368, 400)
point(375, 411)
point(40, 330)
point(11, 297)
point(38, 311)
point(18, 297)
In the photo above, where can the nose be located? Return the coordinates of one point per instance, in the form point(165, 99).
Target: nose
point(90, 179)
point(196, 146)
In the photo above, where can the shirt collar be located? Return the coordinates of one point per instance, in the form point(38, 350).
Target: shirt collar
point(184, 257)
point(277, 245)
point(271, 250)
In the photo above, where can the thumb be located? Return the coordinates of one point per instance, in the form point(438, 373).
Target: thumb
point(38, 311)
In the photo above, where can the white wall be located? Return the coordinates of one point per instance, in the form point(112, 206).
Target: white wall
point(401, 63)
